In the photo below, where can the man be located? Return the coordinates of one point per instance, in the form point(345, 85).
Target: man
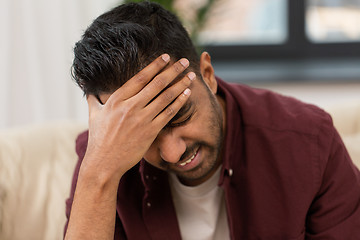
point(174, 152)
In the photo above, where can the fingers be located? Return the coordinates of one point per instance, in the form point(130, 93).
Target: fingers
point(168, 96)
point(161, 81)
point(141, 79)
point(170, 111)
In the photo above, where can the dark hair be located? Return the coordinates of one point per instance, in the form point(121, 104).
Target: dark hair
point(121, 42)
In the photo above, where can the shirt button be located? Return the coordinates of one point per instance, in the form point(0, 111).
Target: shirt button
point(147, 176)
point(148, 204)
point(231, 172)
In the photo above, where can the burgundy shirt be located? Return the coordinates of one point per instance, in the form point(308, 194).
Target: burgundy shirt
point(286, 175)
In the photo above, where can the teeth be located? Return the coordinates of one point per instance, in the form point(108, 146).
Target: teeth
point(188, 161)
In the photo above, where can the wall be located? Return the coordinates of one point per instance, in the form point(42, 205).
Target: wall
point(37, 38)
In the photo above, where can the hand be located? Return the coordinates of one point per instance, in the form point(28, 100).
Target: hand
point(120, 133)
point(123, 129)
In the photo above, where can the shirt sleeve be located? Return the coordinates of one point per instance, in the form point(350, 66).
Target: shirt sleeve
point(335, 211)
point(81, 145)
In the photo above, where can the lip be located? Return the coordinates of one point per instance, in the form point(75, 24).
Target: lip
point(194, 162)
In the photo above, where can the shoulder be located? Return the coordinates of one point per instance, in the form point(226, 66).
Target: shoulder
point(261, 108)
point(299, 132)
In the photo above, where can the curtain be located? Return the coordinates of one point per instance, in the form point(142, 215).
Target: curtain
point(37, 39)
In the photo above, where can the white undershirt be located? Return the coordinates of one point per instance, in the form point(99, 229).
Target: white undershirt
point(201, 210)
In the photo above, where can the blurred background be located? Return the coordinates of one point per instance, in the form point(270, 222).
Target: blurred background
point(308, 49)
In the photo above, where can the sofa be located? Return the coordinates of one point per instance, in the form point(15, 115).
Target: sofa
point(36, 167)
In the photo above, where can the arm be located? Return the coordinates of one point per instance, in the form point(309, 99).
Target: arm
point(335, 212)
point(130, 120)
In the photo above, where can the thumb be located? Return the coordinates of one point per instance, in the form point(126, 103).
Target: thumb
point(93, 103)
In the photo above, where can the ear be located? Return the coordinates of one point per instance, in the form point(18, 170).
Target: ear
point(207, 72)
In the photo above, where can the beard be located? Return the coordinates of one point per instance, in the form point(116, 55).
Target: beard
point(210, 150)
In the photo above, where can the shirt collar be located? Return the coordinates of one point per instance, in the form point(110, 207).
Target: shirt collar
point(232, 147)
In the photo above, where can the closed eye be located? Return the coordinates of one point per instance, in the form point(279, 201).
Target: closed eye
point(180, 121)
point(183, 115)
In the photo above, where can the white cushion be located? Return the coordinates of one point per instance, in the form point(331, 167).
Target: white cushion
point(36, 167)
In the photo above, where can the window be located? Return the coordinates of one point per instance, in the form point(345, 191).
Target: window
point(333, 21)
point(246, 22)
point(236, 22)
point(284, 39)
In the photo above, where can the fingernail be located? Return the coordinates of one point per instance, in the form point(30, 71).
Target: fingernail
point(165, 57)
point(184, 62)
point(191, 76)
point(187, 92)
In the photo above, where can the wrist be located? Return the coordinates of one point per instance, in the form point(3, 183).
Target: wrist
point(93, 175)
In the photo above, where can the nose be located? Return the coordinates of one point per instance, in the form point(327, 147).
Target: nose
point(170, 146)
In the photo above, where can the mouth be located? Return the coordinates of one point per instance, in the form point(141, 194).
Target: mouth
point(189, 160)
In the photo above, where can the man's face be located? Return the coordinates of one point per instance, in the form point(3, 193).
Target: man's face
point(190, 144)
